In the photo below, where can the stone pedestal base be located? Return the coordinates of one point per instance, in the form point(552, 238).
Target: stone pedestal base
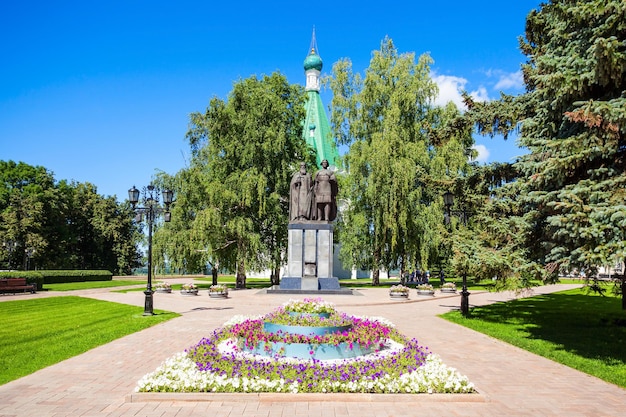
point(310, 258)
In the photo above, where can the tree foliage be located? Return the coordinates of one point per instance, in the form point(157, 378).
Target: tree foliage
point(572, 119)
point(574, 127)
point(399, 161)
point(52, 225)
point(232, 200)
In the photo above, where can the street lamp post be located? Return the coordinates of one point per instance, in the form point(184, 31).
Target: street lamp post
point(448, 201)
point(150, 210)
point(9, 246)
point(29, 252)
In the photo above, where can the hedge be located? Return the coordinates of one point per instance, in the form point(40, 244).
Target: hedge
point(32, 277)
point(56, 277)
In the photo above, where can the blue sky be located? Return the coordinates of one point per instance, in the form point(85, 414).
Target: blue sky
point(101, 92)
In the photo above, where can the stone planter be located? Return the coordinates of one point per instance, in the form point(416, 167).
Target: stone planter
point(164, 290)
point(448, 290)
point(399, 295)
point(223, 294)
point(426, 292)
point(189, 292)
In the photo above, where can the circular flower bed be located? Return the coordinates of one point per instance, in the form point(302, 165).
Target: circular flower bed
point(220, 362)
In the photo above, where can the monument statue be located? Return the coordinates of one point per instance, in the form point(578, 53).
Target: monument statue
point(325, 193)
point(300, 195)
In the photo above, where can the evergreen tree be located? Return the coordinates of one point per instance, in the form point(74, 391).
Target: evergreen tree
point(573, 121)
point(575, 173)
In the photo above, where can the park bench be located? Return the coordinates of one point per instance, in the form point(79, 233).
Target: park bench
point(16, 284)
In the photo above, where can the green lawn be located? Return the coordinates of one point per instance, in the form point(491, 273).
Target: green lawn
point(38, 333)
point(583, 331)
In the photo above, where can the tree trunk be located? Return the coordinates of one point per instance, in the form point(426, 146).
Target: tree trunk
point(241, 275)
point(376, 270)
point(376, 277)
point(275, 277)
point(624, 286)
point(624, 291)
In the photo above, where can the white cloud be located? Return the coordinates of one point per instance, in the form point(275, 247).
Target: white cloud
point(483, 153)
point(510, 80)
point(450, 88)
point(480, 94)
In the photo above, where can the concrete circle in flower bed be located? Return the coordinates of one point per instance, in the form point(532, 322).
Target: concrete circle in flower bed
point(304, 330)
point(323, 351)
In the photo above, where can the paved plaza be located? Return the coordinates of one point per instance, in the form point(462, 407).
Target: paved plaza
point(510, 381)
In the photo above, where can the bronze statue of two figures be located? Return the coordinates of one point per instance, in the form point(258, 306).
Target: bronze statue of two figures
point(312, 209)
point(313, 199)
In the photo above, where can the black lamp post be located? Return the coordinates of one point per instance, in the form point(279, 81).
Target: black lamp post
point(150, 210)
point(448, 201)
point(29, 252)
point(9, 246)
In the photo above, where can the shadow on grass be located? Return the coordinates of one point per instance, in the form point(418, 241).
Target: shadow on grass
point(582, 331)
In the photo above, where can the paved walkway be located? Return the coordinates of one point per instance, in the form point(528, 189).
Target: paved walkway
point(510, 381)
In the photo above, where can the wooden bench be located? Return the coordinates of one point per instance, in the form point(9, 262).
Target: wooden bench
point(16, 284)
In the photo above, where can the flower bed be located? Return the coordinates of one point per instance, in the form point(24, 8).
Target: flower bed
point(220, 363)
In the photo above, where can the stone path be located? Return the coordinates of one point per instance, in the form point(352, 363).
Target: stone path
point(510, 381)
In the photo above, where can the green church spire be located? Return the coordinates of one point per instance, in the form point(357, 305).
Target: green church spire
point(316, 130)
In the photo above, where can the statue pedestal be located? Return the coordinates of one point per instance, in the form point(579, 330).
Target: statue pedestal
point(310, 258)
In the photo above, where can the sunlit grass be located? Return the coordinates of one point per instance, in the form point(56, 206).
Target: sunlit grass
point(580, 330)
point(37, 333)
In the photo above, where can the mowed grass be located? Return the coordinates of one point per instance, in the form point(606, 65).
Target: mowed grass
point(38, 333)
point(583, 331)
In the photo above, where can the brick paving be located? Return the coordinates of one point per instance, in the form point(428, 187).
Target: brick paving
point(510, 381)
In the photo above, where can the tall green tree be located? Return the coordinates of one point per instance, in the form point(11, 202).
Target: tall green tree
point(576, 80)
point(487, 230)
point(398, 162)
point(573, 121)
point(61, 225)
point(245, 150)
point(27, 195)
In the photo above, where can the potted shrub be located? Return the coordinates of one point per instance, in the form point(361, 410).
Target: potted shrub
point(399, 291)
point(448, 287)
point(189, 289)
point(425, 289)
point(218, 291)
point(163, 287)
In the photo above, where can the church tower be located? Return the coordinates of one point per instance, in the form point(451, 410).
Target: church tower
point(316, 131)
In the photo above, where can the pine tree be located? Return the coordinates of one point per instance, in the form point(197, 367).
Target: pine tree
point(572, 120)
